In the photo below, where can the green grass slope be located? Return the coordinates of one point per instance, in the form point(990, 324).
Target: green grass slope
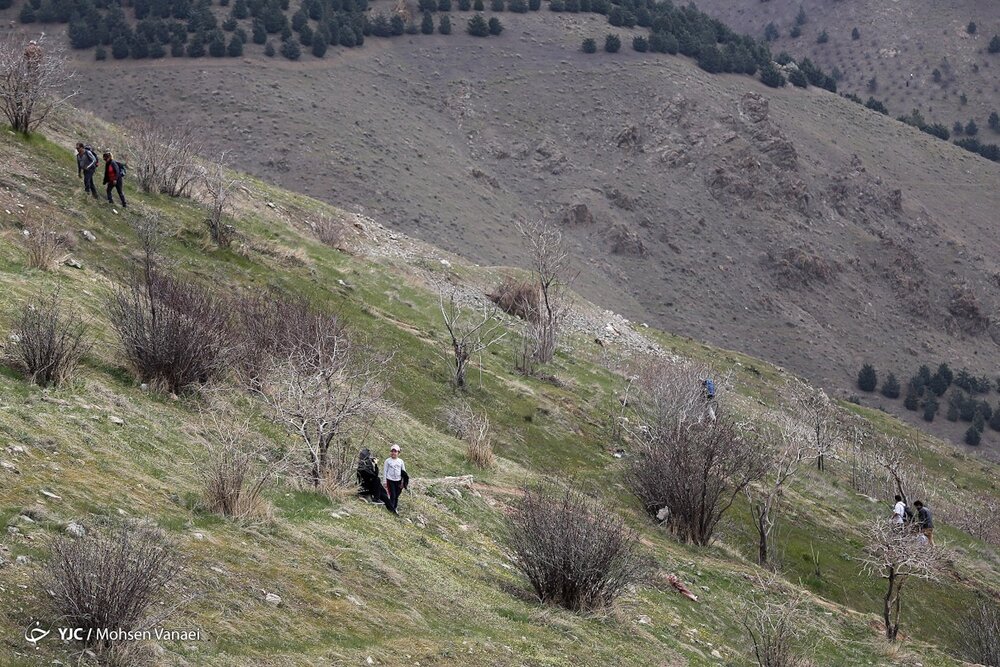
point(436, 586)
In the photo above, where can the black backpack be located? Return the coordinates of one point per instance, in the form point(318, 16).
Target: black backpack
point(122, 169)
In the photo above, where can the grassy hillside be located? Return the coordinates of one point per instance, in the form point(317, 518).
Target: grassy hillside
point(824, 217)
point(434, 587)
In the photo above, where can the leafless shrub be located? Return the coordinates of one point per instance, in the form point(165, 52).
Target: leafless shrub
point(695, 472)
point(276, 326)
point(821, 416)
point(329, 231)
point(33, 79)
point(46, 247)
point(238, 470)
point(980, 519)
point(574, 553)
point(895, 553)
point(775, 630)
point(174, 333)
point(474, 429)
point(325, 391)
point(668, 395)
point(111, 580)
point(550, 265)
point(798, 267)
point(469, 336)
point(219, 184)
point(48, 344)
point(981, 632)
point(518, 298)
point(162, 157)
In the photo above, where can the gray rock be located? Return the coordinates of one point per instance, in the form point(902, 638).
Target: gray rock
point(73, 529)
point(118, 421)
point(13, 530)
point(72, 263)
point(271, 598)
point(22, 560)
point(88, 235)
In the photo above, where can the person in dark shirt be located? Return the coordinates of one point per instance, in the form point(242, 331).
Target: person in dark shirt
point(925, 521)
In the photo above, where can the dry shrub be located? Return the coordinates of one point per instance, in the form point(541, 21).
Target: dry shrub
point(695, 471)
point(238, 470)
point(47, 343)
point(329, 231)
point(162, 158)
point(275, 327)
point(775, 630)
point(981, 632)
point(474, 429)
point(110, 580)
point(574, 553)
point(798, 267)
point(517, 297)
point(174, 333)
point(45, 246)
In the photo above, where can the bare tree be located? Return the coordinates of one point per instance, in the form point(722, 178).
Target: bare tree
point(33, 81)
point(820, 413)
point(47, 343)
point(219, 183)
point(323, 391)
point(786, 448)
point(46, 247)
point(981, 631)
point(162, 157)
point(469, 336)
point(891, 455)
point(550, 266)
point(895, 554)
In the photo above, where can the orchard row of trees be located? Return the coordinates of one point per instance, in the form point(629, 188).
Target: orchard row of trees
point(925, 391)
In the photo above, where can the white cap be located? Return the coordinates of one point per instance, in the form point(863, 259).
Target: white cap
point(394, 448)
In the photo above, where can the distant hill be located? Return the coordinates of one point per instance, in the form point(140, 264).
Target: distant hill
point(899, 44)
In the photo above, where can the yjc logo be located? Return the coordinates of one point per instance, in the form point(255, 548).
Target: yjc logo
point(34, 633)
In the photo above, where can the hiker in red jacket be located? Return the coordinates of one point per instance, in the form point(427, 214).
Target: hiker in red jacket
point(114, 174)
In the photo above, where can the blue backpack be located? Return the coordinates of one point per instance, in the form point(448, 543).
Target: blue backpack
point(709, 388)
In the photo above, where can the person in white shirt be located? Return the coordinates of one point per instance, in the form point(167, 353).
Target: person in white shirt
point(899, 511)
point(394, 472)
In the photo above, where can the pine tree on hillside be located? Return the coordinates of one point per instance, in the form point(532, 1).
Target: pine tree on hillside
point(890, 387)
point(994, 46)
point(867, 378)
point(952, 414)
point(930, 409)
point(912, 401)
point(973, 436)
point(995, 419)
point(800, 18)
point(478, 27)
point(770, 76)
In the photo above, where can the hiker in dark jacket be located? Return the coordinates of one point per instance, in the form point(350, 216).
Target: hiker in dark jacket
point(113, 177)
point(368, 479)
point(86, 165)
point(925, 521)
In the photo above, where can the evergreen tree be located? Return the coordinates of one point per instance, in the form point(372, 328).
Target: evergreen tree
point(798, 79)
point(320, 43)
point(709, 59)
point(495, 26)
point(269, 50)
point(855, 34)
point(823, 38)
point(967, 408)
point(444, 26)
point(994, 46)
point(971, 128)
point(464, 5)
point(876, 105)
point(971, 28)
point(912, 401)
point(994, 121)
point(771, 32)
point(795, 32)
point(235, 48)
point(397, 25)
point(120, 47)
point(770, 76)
point(100, 53)
point(995, 419)
point(477, 5)
point(259, 33)
point(890, 386)
point(496, 5)
point(534, 5)
point(958, 128)
point(240, 10)
point(612, 43)
point(930, 409)
point(952, 414)
point(217, 47)
point(800, 18)
point(444, 5)
point(411, 28)
point(478, 27)
point(290, 49)
point(427, 24)
point(196, 47)
point(518, 6)
point(640, 44)
point(973, 436)
point(867, 378)
point(306, 36)
point(589, 45)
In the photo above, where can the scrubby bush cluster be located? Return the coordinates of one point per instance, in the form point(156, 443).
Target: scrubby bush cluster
point(48, 342)
point(575, 554)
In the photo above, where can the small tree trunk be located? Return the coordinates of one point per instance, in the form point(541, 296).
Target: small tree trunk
point(888, 604)
point(762, 546)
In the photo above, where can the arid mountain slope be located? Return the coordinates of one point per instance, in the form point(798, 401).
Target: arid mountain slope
point(792, 224)
point(900, 44)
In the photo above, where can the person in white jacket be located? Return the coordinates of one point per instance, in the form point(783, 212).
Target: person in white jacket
point(394, 472)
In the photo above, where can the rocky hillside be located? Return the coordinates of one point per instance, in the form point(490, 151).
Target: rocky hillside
point(320, 579)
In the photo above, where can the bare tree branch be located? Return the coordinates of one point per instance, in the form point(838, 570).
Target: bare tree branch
point(469, 337)
point(33, 79)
